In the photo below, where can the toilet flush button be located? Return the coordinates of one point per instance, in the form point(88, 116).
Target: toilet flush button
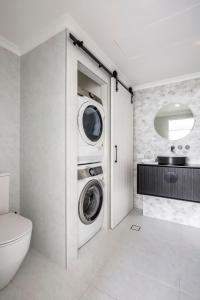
point(92, 172)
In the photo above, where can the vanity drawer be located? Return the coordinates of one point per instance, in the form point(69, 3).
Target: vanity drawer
point(170, 182)
point(151, 181)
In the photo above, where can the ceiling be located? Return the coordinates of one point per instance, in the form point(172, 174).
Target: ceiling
point(149, 40)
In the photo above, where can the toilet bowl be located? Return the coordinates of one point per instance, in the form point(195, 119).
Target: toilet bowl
point(15, 236)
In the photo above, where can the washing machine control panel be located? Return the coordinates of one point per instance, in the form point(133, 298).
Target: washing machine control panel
point(95, 171)
point(89, 172)
point(92, 171)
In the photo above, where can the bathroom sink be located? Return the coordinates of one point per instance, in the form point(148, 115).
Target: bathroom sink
point(172, 160)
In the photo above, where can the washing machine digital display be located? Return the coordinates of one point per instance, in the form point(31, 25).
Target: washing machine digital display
point(90, 202)
point(92, 123)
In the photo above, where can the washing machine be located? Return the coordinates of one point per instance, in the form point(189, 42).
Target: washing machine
point(90, 201)
point(90, 129)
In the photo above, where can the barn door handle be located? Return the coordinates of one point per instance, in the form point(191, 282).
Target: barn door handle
point(115, 153)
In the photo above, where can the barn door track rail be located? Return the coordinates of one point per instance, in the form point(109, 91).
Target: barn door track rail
point(114, 74)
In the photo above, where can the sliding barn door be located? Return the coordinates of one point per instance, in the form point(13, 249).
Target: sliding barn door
point(121, 154)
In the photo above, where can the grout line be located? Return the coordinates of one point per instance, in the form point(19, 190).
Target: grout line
point(158, 280)
point(103, 292)
point(84, 293)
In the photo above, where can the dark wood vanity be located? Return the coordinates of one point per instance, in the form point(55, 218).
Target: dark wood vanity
point(177, 182)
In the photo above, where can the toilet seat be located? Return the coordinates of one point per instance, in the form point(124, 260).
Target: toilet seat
point(13, 227)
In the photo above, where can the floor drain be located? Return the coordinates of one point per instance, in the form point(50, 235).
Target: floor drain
point(135, 227)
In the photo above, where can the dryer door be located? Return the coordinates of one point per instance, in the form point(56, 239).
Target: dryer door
point(90, 202)
point(90, 122)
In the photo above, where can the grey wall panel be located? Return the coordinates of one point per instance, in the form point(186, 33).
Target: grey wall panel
point(10, 122)
point(43, 145)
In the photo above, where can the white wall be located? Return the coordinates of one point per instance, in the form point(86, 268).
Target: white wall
point(43, 145)
point(10, 122)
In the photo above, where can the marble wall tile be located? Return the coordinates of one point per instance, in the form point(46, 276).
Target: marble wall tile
point(148, 144)
point(10, 122)
point(182, 212)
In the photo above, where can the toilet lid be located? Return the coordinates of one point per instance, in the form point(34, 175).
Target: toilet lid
point(13, 227)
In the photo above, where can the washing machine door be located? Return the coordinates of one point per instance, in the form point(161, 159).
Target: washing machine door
point(90, 202)
point(90, 122)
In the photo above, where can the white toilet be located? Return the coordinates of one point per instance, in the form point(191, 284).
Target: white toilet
point(15, 236)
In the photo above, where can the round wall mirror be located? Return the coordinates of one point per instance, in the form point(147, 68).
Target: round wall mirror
point(174, 121)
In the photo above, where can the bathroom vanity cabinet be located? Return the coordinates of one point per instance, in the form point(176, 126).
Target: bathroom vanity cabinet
point(177, 182)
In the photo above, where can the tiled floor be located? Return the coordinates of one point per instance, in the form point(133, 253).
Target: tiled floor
point(159, 262)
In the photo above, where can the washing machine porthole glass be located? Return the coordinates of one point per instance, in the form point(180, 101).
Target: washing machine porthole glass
point(90, 202)
point(92, 123)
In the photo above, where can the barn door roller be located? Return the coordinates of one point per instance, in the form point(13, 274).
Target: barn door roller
point(114, 74)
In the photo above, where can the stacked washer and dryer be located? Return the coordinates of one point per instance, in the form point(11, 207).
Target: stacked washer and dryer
point(90, 121)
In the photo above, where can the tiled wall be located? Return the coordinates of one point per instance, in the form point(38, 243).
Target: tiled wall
point(148, 144)
point(10, 122)
point(43, 145)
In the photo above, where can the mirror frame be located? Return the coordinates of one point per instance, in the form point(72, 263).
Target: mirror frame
point(165, 137)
